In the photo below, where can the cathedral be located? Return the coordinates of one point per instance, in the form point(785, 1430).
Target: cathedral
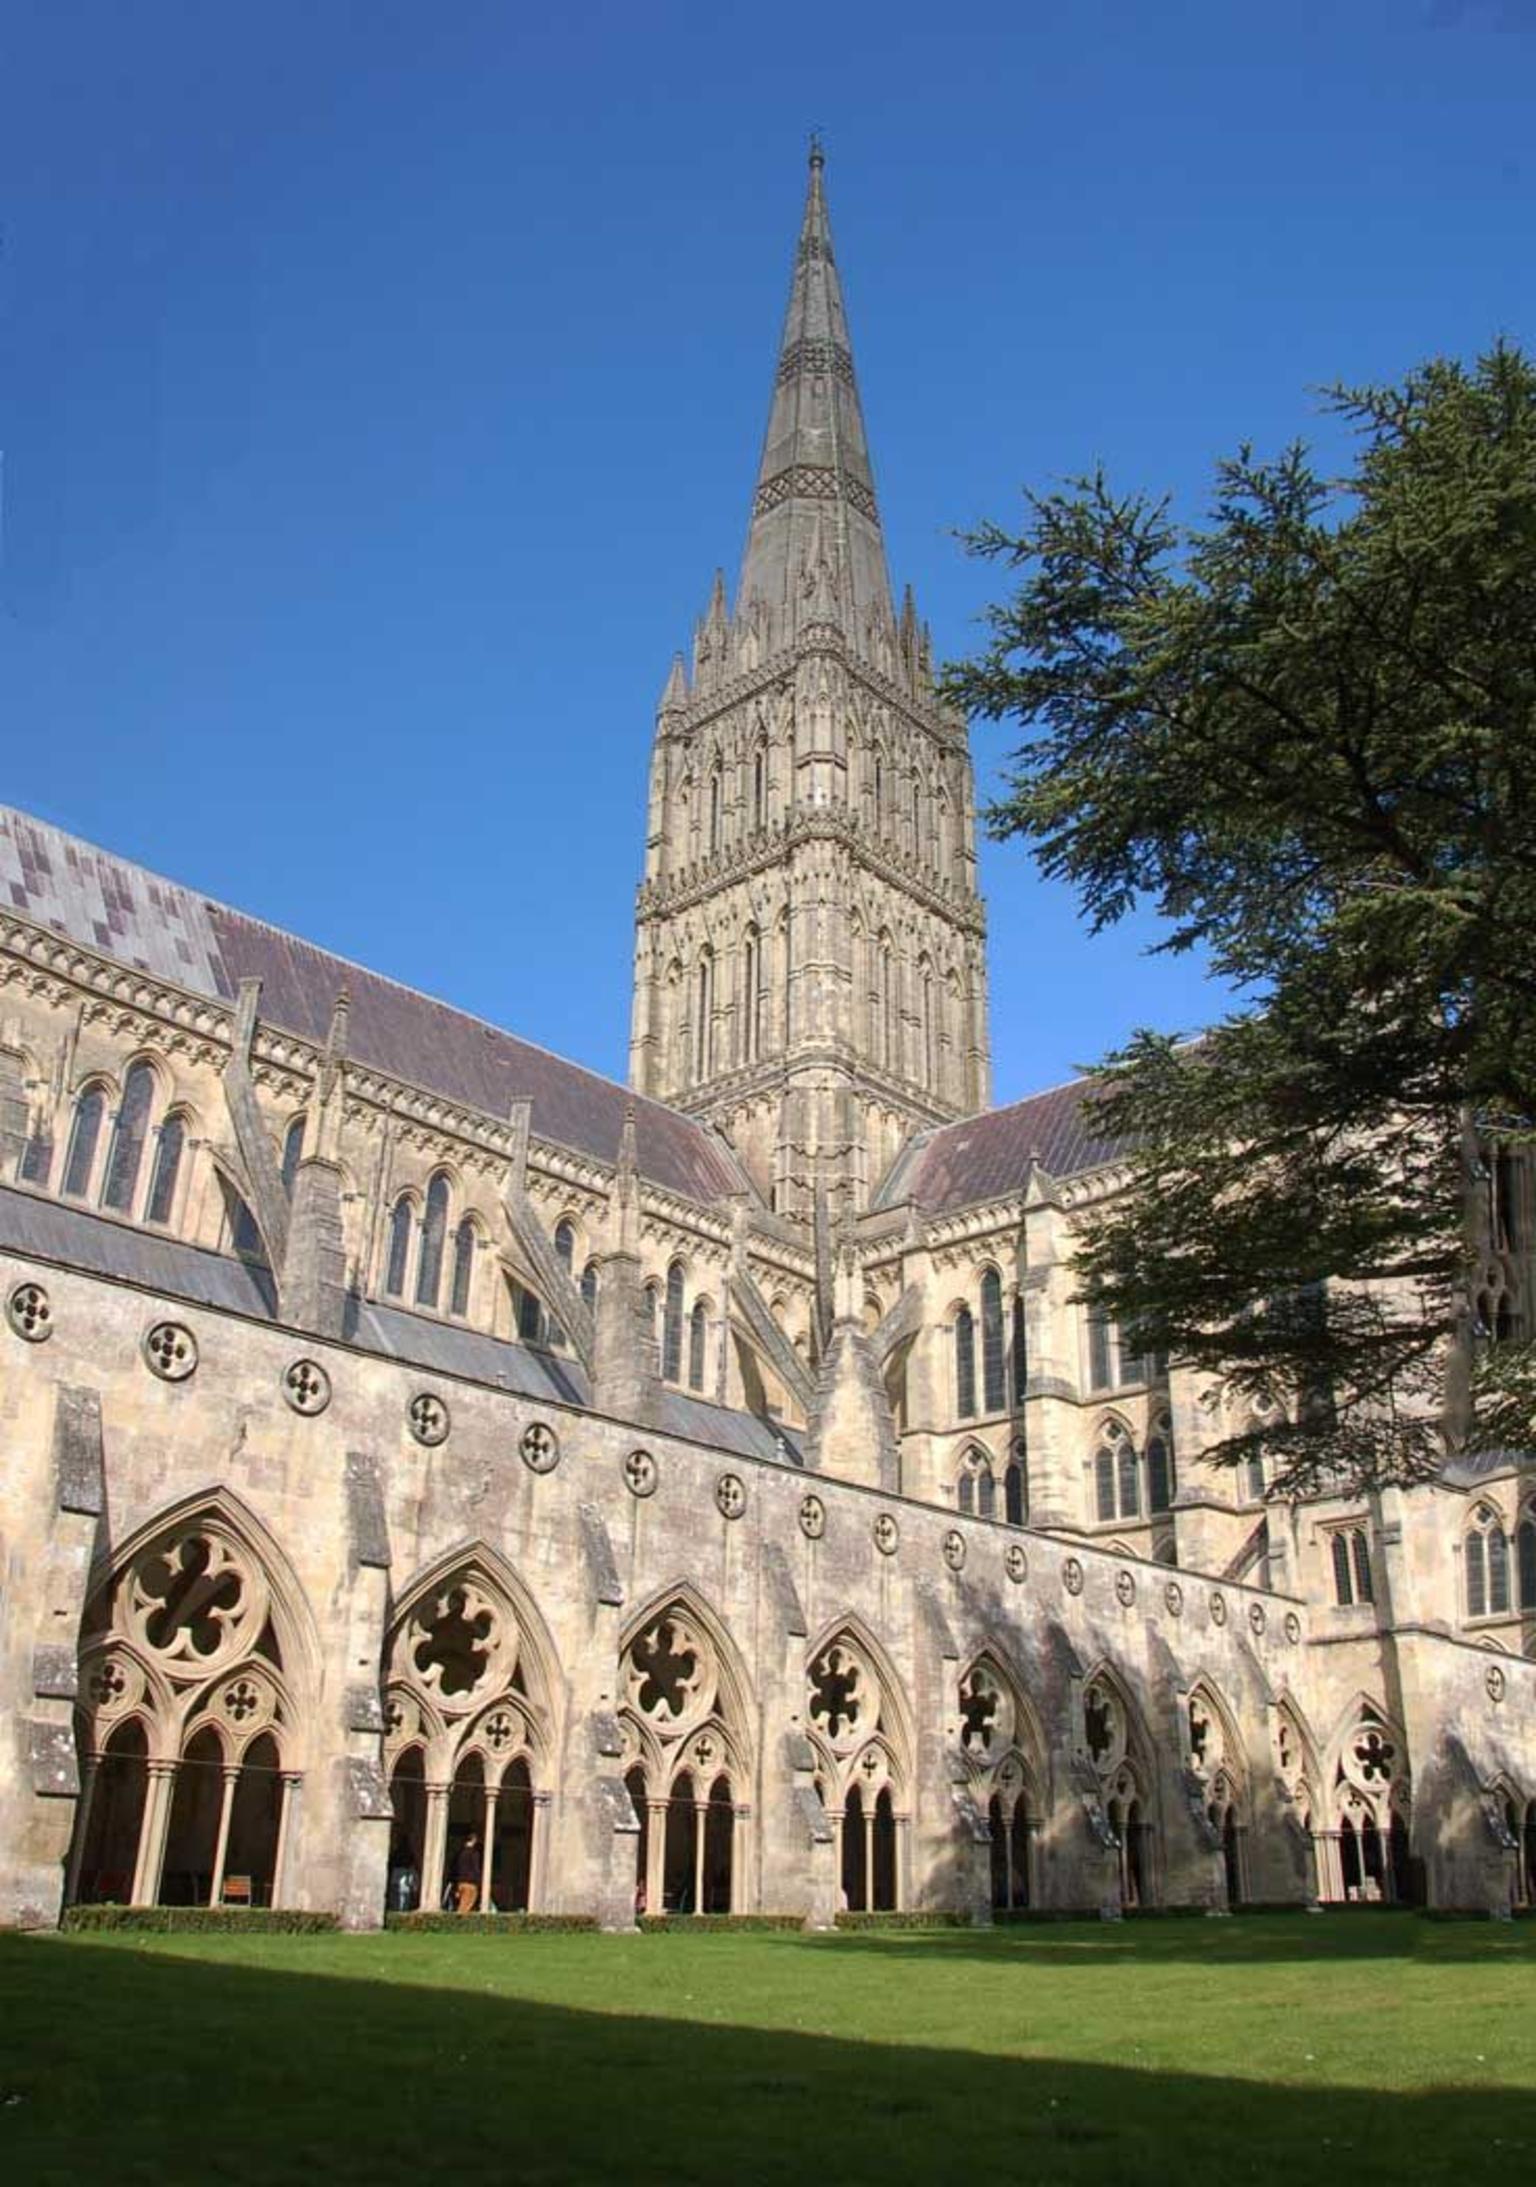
point(434, 1475)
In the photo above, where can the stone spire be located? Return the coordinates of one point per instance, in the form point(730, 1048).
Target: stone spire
point(815, 498)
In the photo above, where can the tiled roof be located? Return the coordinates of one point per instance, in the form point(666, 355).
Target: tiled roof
point(106, 904)
point(987, 1157)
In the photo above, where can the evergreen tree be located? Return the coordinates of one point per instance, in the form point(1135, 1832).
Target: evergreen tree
point(1305, 731)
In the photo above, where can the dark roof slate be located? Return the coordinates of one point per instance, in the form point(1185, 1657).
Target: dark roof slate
point(987, 1157)
point(106, 904)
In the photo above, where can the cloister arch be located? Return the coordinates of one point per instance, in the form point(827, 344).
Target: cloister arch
point(197, 1662)
point(471, 1687)
point(860, 1726)
point(686, 1714)
point(1218, 1760)
point(1119, 1754)
point(1003, 1750)
point(1364, 1853)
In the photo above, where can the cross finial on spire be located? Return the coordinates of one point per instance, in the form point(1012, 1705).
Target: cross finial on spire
point(818, 148)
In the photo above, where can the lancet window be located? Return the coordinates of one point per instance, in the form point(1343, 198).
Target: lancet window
point(187, 1727)
point(467, 1741)
point(993, 1379)
point(1161, 1482)
point(672, 1326)
point(861, 1774)
point(84, 1138)
point(1349, 1552)
point(965, 1364)
point(685, 1765)
point(976, 1485)
point(293, 1149)
point(1485, 1559)
point(1116, 1478)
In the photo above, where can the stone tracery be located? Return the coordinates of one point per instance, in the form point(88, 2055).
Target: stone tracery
point(467, 1737)
point(685, 1758)
point(186, 1725)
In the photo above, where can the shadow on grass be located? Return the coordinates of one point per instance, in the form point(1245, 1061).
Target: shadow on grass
point(1287, 1939)
point(123, 2065)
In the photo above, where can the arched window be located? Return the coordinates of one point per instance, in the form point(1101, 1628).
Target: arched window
point(1351, 1555)
point(167, 1170)
point(1115, 1485)
point(84, 1134)
point(1525, 1557)
point(1486, 1554)
point(698, 1331)
point(975, 1486)
point(530, 1315)
point(565, 1242)
point(787, 961)
point(293, 1148)
point(672, 1326)
point(751, 995)
point(993, 1382)
point(1020, 1351)
point(128, 1136)
point(704, 1014)
point(1101, 1350)
point(714, 810)
point(399, 1248)
point(463, 1266)
point(885, 1001)
point(1016, 1488)
point(965, 1364)
point(1160, 1478)
point(759, 788)
point(434, 1235)
point(589, 1287)
point(927, 1031)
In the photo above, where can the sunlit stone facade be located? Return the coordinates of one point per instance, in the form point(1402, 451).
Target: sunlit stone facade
point(430, 1473)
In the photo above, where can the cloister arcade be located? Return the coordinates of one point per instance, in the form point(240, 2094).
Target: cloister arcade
point(195, 1726)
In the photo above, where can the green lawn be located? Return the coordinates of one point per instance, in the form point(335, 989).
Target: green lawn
point(1342, 2048)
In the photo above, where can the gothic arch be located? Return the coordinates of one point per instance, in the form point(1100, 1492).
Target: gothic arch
point(686, 1716)
point(1119, 1753)
point(859, 1724)
point(472, 1687)
point(198, 1658)
point(1367, 1795)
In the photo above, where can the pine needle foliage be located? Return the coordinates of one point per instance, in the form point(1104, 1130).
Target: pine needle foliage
point(1304, 732)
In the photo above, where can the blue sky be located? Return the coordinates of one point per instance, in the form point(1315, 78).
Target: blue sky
point(380, 386)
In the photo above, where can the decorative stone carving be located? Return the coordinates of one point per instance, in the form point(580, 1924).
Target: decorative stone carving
point(307, 1386)
point(1125, 1588)
point(887, 1534)
point(1218, 1606)
point(1016, 1563)
point(1292, 1627)
point(1072, 1576)
point(641, 1473)
point(1496, 1682)
point(29, 1313)
point(170, 1351)
point(1173, 1599)
point(730, 1495)
point(954, 1549)
point(428, 1417)
point(539, 1447)
point(1257, 1619)
point(813, 1517)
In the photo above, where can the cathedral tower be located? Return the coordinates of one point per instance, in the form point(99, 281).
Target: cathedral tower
point(809, 962)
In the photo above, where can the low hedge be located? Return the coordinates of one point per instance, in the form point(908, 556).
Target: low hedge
point(430, 1924)
point(204, 1920)
point(693, 1922)
point(917, 1920)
